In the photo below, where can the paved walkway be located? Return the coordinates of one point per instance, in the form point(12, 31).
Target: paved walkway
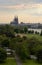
point(17, 59)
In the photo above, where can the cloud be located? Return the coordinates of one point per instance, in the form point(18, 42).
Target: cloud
point(34, 9)
point(23, 6)
point(31, 10)
point(14, 2)
point(14, 6)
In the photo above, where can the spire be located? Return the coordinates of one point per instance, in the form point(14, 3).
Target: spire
point(15, 20)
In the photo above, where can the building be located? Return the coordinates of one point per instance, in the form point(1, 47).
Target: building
point(15, 21)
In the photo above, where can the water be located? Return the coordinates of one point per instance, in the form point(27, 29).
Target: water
point(38, 30)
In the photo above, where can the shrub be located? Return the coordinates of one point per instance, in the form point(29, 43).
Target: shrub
point(3, 55)
point(5, 43)
point(36, 32)
point(30, 31)
point(22, 50)
point(33, 44)
point(41, 33)
point(24, 37)
point(39, 56)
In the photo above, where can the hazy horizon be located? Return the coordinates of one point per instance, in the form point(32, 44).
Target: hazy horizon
point(29, 11)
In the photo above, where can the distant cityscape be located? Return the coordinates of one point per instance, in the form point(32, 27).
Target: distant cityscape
point(30, 25)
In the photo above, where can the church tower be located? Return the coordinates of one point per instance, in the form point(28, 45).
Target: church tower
point(15, 20)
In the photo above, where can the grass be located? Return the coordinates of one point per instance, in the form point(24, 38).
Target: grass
point(34, 35)
point(9, 61)
point(31, 62)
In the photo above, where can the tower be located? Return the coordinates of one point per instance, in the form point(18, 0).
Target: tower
point(15, 20)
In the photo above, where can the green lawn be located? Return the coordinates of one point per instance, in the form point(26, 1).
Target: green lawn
point(31, 62)
point(34, 35)
point(9, 61)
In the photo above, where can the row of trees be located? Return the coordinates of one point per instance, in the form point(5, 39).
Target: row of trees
point(9, 30)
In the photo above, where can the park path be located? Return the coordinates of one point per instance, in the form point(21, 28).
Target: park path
point(17, 59)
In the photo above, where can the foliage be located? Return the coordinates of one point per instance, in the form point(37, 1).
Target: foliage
point(9, 61)
point(36, 32)
point(39, 56)
point(22, 50)
point(3, 55)
point(30, 31)
point(41, 33)
point(32, 42)
point(5, 43)
point(24, 44)
point(25, 29)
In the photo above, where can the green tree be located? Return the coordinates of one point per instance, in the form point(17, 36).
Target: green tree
point(5, 43)
point(25, 29)
point(41, 33)
point(33, 43)
point(39, 56)
point(22, 50)
point(3, 55)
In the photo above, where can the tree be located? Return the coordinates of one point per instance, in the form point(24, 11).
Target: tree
point(25, 29)
point(22, 50)
point(3, 55)
point(5, 43)
point(41, 33)
point(31, 31)
point(33, 43)
point(10, 34)
point(36, 32)
point(39, 56)
point(16, 30)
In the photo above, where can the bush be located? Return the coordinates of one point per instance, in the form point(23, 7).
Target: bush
point(31, 31)
point(36, 32)
point(22, 50)
point(33, 45)
point(25, 29)
point(5, 43)
point(39, 56)
point(3, 55)
point(41, 33)
point(24, 37)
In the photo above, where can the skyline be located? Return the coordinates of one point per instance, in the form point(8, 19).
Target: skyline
point(29, 11)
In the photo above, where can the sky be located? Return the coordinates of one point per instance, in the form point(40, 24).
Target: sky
point(28, 11)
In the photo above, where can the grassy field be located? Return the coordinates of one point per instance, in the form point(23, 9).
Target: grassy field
point(31, 62)
point(9, 61)
point(34, 35)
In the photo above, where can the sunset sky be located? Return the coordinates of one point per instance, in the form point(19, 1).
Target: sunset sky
point(29, 11)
